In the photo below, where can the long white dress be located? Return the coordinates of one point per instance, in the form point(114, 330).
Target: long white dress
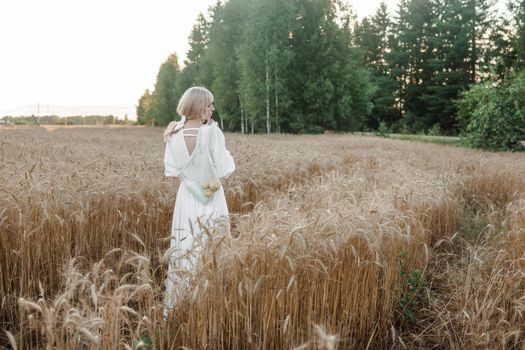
point(191, 215)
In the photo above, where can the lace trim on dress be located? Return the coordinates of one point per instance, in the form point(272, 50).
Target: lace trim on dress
point(173, 127)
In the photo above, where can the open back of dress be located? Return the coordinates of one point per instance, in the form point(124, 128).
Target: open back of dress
point(190, 139)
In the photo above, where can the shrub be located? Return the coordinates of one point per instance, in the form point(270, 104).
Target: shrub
point(383, 130)
point(494, 115)
point(314, 129)
point(435, 130)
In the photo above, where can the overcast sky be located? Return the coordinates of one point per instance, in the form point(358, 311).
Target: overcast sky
point(93, 56)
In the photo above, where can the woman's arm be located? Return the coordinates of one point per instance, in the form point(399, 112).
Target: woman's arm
point(221, 157)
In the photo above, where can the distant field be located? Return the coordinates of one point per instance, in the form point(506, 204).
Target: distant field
point(339, 242)
point(440, 140)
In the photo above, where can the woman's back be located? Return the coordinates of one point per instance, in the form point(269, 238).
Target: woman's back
point(190, 138)
point(181, 147)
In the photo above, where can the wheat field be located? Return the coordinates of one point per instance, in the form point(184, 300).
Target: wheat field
point(338, 242)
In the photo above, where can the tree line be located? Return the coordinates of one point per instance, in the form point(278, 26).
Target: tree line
point(305, 66)
point(67, 120)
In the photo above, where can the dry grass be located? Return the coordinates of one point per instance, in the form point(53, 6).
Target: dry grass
point(339, 242)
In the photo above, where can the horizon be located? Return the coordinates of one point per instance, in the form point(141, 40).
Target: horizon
point(119, 111)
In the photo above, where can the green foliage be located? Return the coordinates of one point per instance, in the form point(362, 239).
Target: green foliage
point(198, 41)
point(479, 94)
point(411, 57)
point(145, 113)
point(314, 129)
point(272, 66)
point(402, 128)
point(20, 122)
point(474, 225)
point(371, 36)
point(265, 56)
point(439, 140)
point(494, 115)
point(437, 49)
point(225, 35)
point(517, 8)
point(303, 65)
point(435, 130)
point(164, 98)
point(416, 292)
point(383, 130)
point(69, 120)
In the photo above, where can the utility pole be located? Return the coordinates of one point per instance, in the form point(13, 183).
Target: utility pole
point(38, 114)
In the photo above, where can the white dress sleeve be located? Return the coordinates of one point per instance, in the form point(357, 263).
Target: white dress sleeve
point(169, 161)
point(221, 157)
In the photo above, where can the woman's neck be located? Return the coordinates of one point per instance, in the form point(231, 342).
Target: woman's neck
point(193, 123)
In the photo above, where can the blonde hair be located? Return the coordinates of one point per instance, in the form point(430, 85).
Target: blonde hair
point(192, 105)
point(194, 102)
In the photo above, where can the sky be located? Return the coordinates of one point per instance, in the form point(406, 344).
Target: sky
point(70, 57)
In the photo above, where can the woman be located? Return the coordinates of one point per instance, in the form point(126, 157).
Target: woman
point(197, 157)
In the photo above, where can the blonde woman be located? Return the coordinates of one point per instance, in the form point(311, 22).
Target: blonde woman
point(197, 157)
